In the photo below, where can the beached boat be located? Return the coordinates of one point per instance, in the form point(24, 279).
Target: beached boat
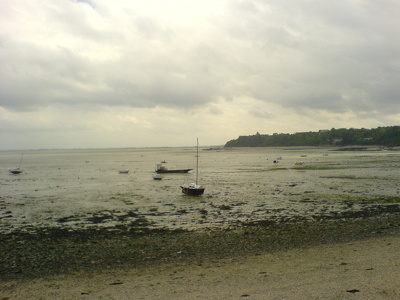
point(17, 170)
point(158, 177)
point(161, 169)
point(194, 189)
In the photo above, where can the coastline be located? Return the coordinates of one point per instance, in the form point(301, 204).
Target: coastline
point(323, 260)
point(365, 269)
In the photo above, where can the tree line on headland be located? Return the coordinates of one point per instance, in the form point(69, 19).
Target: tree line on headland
point(384, 136)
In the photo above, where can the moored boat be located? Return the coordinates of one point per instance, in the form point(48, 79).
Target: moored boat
point(194, 189)
point(15, 171)
point(161, 169)
point(157, 177)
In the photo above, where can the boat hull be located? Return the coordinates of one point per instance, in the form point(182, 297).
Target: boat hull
point(15, 171)
point(192, 191)
point(172, 171)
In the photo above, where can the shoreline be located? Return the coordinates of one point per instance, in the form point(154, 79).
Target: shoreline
point(57, 252)
point(364, 266)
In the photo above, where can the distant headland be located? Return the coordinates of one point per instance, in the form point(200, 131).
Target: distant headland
point(381, 136)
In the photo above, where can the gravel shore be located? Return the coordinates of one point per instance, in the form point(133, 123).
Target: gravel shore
point(55, 251)
point(332, 259)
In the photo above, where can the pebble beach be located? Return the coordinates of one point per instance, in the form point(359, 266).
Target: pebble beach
point(325, 260)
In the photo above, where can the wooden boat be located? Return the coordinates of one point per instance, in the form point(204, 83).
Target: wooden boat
point(194, 189)
point(161, 169)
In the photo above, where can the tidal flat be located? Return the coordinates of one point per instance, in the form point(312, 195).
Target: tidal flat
point(72, 211)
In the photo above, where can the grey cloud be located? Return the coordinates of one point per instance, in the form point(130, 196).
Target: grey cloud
point(319, 53)
point(96, 60)
point(47, 77)
point(292, 54)
point(38, 76)
point(260, 113)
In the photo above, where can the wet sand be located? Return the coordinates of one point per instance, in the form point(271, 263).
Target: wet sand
point(366, 269)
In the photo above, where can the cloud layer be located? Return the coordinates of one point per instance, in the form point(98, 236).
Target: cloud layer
point(159, 73)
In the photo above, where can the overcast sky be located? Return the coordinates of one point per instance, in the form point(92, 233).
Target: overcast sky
point(127, 73)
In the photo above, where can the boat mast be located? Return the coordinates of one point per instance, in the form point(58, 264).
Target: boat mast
point(197, 161)
point(20, 161)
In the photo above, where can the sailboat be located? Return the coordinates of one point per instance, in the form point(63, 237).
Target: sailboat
point(194, 189)
point(17, 170)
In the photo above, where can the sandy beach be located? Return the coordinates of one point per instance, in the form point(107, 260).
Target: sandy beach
point(364, 269)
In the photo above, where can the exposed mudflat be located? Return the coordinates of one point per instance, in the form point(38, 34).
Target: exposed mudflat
point(83, 189)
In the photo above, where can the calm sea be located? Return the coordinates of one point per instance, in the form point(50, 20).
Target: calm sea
point(83, 188)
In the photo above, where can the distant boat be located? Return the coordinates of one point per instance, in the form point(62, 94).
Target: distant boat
point(277, 159)
point(194, 189)
point(17, 170)
point(157, 177)
point(123, 171)
point(161, 169)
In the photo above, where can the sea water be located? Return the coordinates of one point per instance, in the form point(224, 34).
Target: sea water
point(83, 188)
